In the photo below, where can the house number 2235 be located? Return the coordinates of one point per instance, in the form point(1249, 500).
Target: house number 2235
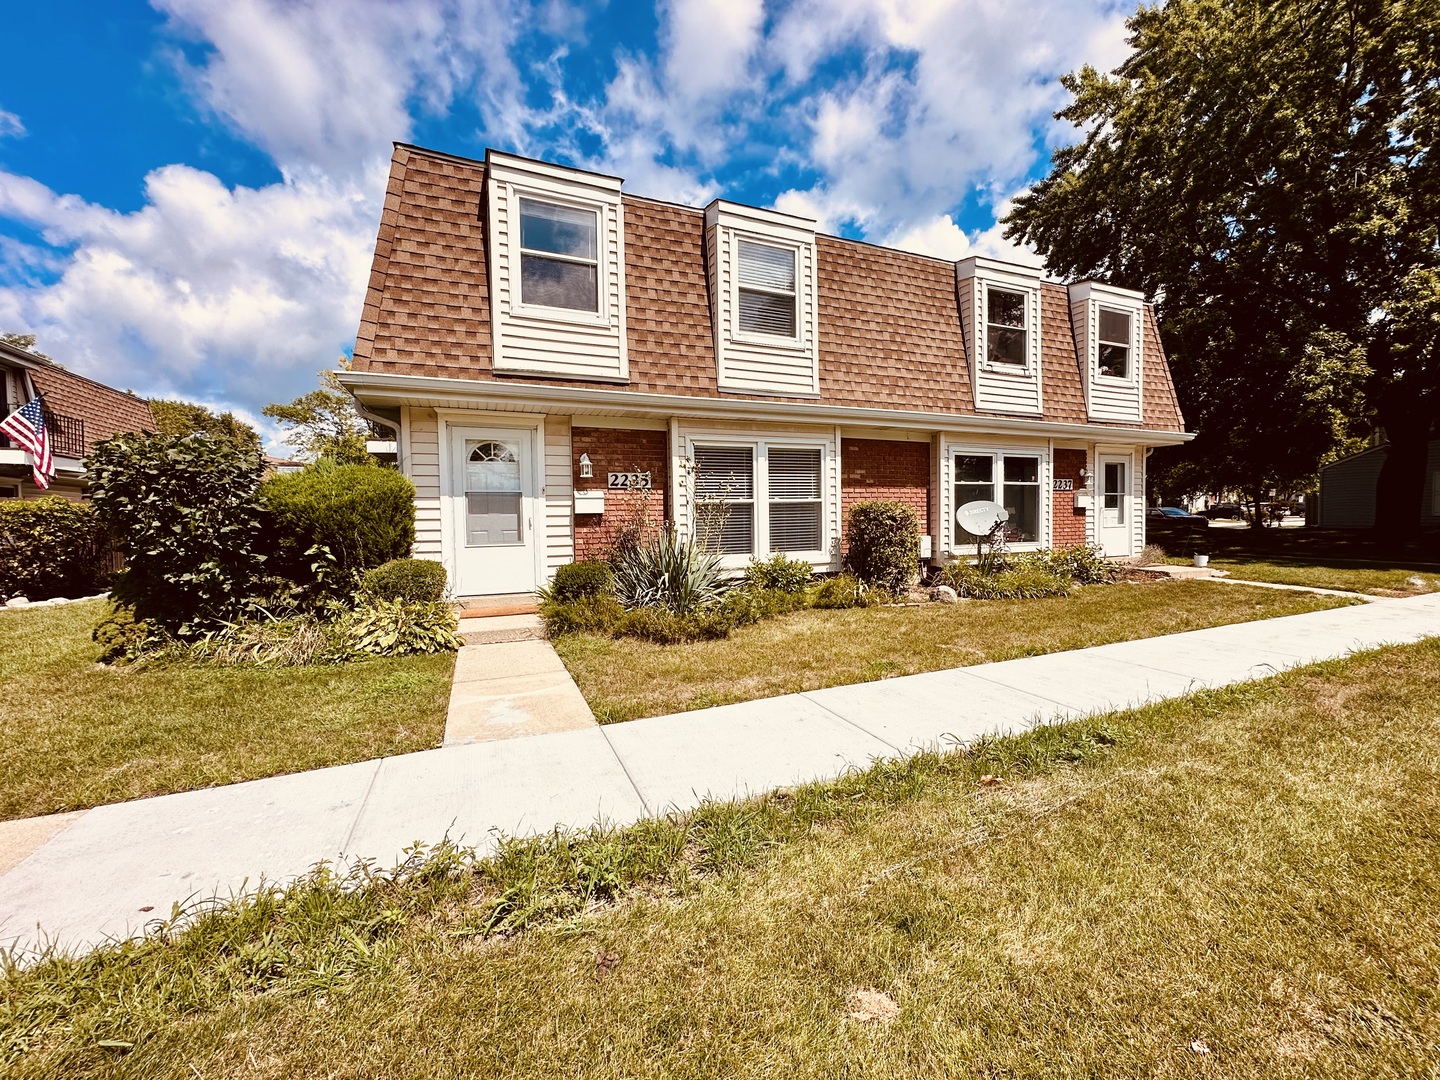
point(628, 481)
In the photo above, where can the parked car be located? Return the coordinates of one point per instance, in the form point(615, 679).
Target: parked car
point(1225, 511)
point(1171, 525)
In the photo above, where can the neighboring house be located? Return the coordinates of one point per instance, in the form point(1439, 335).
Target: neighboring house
point(541, 343)
point(79, 412)
point(1347, 489)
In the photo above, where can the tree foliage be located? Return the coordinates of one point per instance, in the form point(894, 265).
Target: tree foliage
point(324, 423)
point(185, 512)
point(186, 418)
point(23, 341)
point(51, 547)
point(1263, 169)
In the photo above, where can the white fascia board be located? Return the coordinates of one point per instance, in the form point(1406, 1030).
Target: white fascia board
point(387, 389)
point(1100, 290)
point(519, 169)
point(752, 219)
point(997, 270)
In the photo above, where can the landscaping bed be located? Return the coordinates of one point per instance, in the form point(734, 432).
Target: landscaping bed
point(75, 733)
point(626, 678)
point(1238, 883)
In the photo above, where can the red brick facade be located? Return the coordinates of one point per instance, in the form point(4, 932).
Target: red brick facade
point(619, 450)
point(1068, 523)
point(881, 469)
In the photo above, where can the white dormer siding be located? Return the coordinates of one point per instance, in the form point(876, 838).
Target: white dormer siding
point(1000, 318)
point(557, 270)
point(1109, 340)
point(761, 269)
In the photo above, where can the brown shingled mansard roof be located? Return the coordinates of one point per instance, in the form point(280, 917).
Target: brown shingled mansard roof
point(105, 410)
point(882, 313)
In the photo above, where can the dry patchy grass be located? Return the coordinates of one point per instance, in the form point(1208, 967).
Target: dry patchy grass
point(1237, 884)
point(1381, 579)
point(625, 678)
point(75, 734)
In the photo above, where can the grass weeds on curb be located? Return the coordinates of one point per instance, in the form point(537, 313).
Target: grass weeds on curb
point(315, 935)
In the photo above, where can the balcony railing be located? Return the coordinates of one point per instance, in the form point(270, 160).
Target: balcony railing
point(67, 433)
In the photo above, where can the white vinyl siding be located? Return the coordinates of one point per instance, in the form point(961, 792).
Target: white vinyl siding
point(1000, 320)
point(545, 330)
point(422, 466)
point(758, 350)
point(559, 538)
point(1109, 398)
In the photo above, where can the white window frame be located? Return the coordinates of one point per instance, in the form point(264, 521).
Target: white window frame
point(1005, 367)
point(761, 447)
point(600, 316)
point(794, 341)
point(1131, 346)
point(960, 540)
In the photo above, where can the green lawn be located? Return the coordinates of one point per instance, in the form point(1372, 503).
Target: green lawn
point(624, 679)
point(1237, 884)
point(1380, 579)
point(74, 733)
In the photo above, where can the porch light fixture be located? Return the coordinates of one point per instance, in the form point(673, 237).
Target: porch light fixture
point(586, 469)
point(1084, 476)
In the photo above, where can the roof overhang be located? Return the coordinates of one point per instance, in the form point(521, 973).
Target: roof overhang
point(431, 391)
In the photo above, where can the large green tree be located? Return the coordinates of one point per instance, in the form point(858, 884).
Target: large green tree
point(324, 423)
point(186, 418)
point(1264, 170)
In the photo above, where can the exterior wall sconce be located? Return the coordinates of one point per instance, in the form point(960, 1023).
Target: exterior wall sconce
point(1084, 476)
point(587, 470)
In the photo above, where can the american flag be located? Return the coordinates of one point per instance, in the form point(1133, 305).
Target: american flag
point(26, 428)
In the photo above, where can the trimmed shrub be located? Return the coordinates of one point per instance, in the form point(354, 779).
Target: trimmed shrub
point(361, 516)
point(671, 573)
point(573, 581)
point(184, 511)
point(884, 544)
point(52, 547)
point(417, 580)
point(841, 591)
point(779, 573)
point(402, 627)
point(119, 634)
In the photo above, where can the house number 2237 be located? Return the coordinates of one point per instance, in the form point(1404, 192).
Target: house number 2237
point(628, 481)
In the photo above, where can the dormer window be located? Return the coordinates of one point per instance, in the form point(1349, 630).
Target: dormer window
point(1005, 329)
point(767, 290)
point(559, 256)
point(1114, 344)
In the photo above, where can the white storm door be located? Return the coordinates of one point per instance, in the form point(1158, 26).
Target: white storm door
point(493, 510)
point(1116, 528)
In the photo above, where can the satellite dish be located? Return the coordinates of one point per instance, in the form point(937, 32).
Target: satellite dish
point(978, 518)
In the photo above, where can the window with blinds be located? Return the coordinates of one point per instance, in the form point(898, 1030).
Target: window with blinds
point(725, 499)
point(767, 290)
point(795, 500)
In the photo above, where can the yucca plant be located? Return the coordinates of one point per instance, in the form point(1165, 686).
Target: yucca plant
point(669, 572)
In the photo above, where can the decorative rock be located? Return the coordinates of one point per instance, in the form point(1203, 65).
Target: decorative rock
point(944, 594)
point(17, 601)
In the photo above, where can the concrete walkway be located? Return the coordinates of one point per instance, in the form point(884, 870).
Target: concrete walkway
point(506, 689)
point(106, 872)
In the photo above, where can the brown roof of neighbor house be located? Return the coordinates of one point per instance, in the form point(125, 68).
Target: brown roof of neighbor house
point(889, 322)
point(105, 410)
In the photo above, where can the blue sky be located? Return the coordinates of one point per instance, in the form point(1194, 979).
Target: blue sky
point(189, 189)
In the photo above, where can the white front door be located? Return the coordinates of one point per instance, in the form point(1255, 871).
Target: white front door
point(1116, 528)
point(493, 510)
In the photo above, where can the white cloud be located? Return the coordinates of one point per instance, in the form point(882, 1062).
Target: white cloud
point(332, 84)
point(708, 45)
point(233, 294)
point(10, 125)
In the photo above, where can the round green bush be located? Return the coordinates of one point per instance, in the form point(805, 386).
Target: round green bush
point(363, 515)
point(588, 577)
point(415, 580)
point(52, 547)
point(884, 544)
point(779, 573)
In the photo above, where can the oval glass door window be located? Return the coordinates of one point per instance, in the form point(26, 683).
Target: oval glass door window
point(494, 499)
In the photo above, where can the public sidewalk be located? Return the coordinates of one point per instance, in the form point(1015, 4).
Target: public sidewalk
point(109, 870)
